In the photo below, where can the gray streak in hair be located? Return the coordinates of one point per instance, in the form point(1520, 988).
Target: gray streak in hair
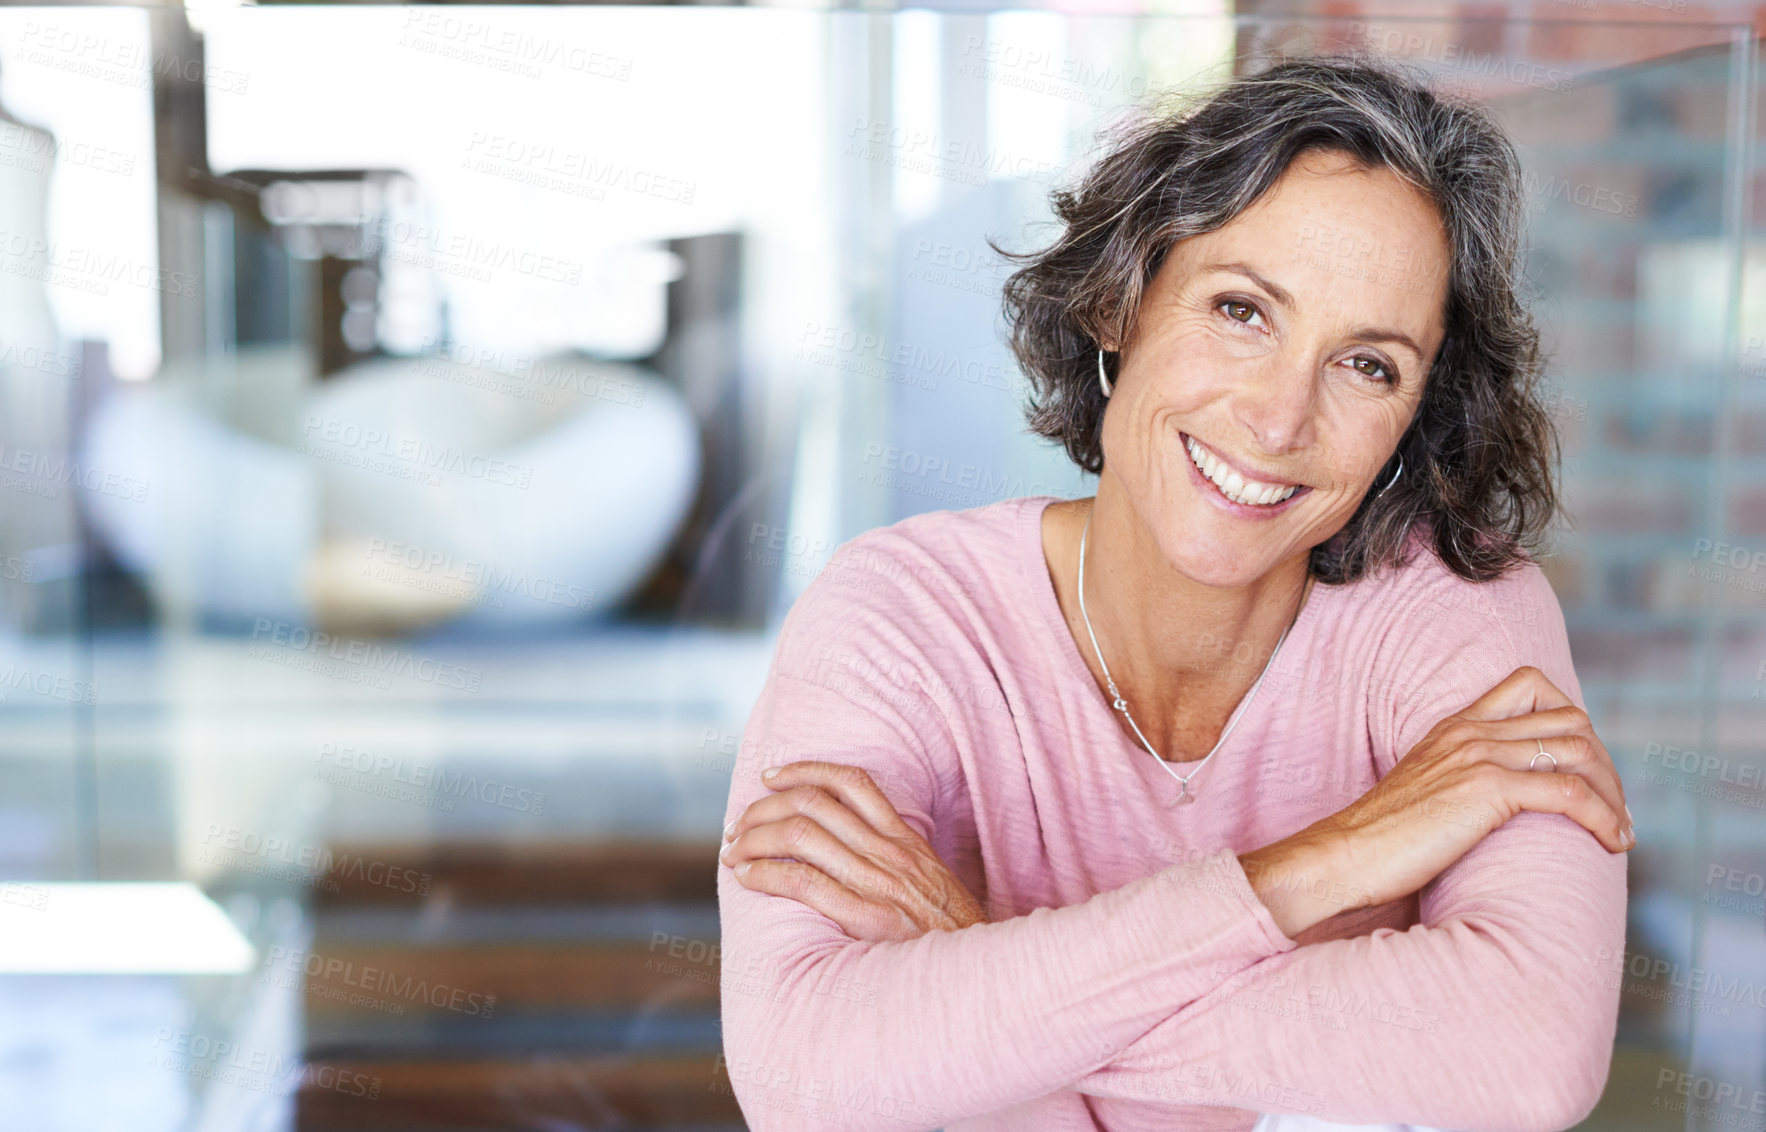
point(1481, 454)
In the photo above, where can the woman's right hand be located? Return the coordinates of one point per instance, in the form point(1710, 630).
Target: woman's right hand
point(1466, 777)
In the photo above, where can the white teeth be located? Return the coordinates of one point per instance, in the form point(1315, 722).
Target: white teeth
point(1207, 461)
point(1234, 486)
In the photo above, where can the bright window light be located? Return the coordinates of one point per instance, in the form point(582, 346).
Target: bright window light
point(117, 929)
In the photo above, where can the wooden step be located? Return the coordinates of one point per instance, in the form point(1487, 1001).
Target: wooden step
point(501, 873)
point(540, 1094)
point(416, 981)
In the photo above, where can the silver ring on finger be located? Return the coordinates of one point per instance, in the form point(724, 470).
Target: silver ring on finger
point(1534, 765)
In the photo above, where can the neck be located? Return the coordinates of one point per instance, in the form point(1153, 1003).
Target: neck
point(1180, 651)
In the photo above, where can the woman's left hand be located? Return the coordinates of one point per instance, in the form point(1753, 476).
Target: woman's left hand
point(829, 838)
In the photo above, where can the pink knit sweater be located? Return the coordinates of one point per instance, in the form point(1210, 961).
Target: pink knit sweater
point(1129, 978)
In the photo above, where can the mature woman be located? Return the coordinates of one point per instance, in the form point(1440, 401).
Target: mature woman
point(1259, 782)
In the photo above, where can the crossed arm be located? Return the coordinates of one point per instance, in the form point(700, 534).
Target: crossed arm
point(1492, 1013)
point(1496, 1011)
point(823, 1030)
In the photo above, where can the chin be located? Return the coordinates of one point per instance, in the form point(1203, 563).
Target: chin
point(1198, 549)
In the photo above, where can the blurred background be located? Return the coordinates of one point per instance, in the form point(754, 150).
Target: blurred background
point(417, 421)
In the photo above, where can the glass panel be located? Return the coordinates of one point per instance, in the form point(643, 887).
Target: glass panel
point(1640, 258)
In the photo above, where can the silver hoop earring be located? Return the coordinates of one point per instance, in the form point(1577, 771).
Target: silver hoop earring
point(1102, 380)
point(1394, 478)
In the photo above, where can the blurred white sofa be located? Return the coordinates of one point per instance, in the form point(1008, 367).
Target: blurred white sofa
point(400, 493)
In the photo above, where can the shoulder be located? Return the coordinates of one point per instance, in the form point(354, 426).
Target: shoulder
point(1424, 591)
point(1438, 641)
point(929, 577)
point(942, 549)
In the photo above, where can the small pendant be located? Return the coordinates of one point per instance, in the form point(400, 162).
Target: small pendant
point(1184, 798)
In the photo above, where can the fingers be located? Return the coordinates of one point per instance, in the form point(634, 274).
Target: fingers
point(1578, 755)
point(1547, 792)
point(1566, 720)
point(1524, 690)
point(814, 802)
point(852, 785)
point(804, 839)
point(807, 824)
point(1563, 731)
point(806, 884)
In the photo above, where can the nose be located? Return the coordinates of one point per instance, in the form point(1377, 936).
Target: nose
point(1276, 405)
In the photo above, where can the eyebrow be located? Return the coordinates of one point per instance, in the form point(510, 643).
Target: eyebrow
point(1280, 295)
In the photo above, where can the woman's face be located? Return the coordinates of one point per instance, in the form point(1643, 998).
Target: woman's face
point(1289, 347)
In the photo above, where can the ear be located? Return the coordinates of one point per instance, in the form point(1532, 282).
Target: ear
point(1104, 333)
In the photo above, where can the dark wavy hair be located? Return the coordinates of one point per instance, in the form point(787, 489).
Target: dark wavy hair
point(1480, 454)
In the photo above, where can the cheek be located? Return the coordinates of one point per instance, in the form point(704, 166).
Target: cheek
point(1134, 421)
point(1149, 417)
point(1201, 371)
point(1345, 470)
point(1358, 439)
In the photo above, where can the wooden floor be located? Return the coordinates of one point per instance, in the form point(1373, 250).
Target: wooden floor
point(547, 989)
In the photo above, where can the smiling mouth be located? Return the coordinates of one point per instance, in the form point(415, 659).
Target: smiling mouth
point(1246, 493)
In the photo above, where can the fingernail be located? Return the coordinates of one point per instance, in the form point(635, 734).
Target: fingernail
point(743, 867)
point(769, 772)
point(724, 853)
point(1628, 816)
point(729, 829)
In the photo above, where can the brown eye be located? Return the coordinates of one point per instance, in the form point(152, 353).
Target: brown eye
point(1233, 306)
point(1383, 374)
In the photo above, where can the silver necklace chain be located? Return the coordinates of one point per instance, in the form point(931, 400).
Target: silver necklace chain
point(1184, 796)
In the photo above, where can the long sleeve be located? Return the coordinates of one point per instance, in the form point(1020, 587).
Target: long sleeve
point(1497, 1011)
point(820, 1030)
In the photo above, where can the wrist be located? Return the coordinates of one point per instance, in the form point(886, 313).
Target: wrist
point(1300, 879)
